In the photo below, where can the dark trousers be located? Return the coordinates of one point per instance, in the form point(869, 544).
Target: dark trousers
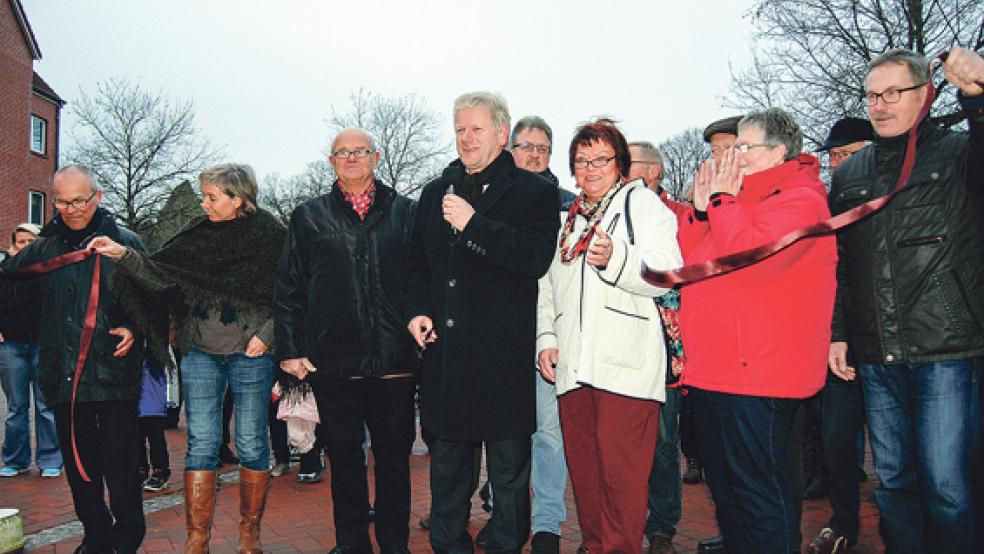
point(842, 416)
point(688, 436)
point(743, 444)
point(385, 406)
point(106, 435)
point(451, 475)
point(664, 479)
point(152, 436)
point(278, 436)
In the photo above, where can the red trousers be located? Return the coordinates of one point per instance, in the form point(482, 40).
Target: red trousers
point(610, 441)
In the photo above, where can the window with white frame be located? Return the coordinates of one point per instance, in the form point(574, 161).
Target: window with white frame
point(39, 133)
point(35, 207)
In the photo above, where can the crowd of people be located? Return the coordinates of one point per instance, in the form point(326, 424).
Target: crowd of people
point(518, 317)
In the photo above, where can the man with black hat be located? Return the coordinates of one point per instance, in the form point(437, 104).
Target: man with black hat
point(847, 137)
point(841, 405)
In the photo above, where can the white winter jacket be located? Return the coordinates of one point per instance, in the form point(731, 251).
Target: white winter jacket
point(605, 322)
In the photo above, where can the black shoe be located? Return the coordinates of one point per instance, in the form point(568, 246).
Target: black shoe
point(425, 522)
point(227, 456)
point(545, 542)
point(713, 544)
point(309, 478)
point(694, 473)
point(157, 482)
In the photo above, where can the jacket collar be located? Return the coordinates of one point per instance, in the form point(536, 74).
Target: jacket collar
point(766, 183)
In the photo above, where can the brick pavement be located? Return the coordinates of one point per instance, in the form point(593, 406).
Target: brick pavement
point(298, 517)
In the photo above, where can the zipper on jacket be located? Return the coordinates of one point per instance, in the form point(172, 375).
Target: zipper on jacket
point(922, 241)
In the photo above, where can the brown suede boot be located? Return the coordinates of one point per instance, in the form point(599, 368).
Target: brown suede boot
point(253, 487)
point(199, 508)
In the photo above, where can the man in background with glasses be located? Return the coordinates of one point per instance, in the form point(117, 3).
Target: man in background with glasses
point(106, 429)
point(910, 305)
point(339, 325)
point(531, 147)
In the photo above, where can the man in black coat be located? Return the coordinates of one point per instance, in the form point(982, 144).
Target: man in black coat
point(339, 323)
point(484, 233)
point(106, 429)
point(910, 306)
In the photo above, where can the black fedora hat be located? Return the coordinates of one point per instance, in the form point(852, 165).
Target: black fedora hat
point(848, 130)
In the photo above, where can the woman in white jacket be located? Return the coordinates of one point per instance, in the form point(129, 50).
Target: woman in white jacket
point(600, 338)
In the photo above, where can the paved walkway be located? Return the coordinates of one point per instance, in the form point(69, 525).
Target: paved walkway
point(298, 517)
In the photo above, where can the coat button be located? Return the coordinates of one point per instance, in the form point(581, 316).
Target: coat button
point(934, 175)
point(913, 349)
point(452, 283)
point(449, 323)
point(889, 358)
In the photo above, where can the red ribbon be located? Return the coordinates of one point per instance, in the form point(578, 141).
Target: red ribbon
point(88, 329)
point(726, 264)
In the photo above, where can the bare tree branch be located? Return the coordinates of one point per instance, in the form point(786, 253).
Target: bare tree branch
point(140, 145)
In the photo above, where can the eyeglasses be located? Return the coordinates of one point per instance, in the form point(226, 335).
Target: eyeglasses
point(78, 203)
point(842, 154)
point(345, 153)
point(583, 163)
point(890, 96)
point(529, 147)
point(744, 148)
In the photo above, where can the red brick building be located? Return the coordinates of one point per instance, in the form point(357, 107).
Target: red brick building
point(29, 126)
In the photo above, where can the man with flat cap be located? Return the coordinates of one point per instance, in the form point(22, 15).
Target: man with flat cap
point(841, 405)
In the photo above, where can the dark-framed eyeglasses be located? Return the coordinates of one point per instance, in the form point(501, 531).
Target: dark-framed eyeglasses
point(583, 163)
point(889, 96)
point(78, 203)
point(744, 148)
point(345, 153)
point(529, 147)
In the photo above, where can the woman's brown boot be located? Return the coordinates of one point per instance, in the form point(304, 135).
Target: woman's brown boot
point(253, 487)
point(199, 508)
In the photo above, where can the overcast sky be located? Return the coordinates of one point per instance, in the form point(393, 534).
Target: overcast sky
point(264, 75)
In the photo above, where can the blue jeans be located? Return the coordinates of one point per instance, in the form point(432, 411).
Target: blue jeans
point(925, 424)
point(664, 479)
point(548, 470)
point(19, 377)
point(205, 378)
point(743, 443)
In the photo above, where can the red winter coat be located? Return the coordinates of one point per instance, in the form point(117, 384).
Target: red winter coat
point(763, 330)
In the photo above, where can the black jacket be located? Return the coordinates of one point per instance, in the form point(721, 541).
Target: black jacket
point(20, 310)
point(339, 296)
point(64, 299)
point(480, 288)
point(911, 277)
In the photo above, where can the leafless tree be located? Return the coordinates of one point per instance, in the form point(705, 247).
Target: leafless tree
point(281, 195)
point(682, 154)
point(140, 144)
point(809, 56)
point(410, 137)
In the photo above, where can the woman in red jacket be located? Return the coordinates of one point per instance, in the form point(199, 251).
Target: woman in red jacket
point(757, 338)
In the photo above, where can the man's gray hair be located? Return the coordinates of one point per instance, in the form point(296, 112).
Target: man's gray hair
point(778, 127)
point(89, 174)
point(367, 134)
point(234, 180)
point(531, 122)
point(651, 154)
point(491, 100)
point(917, 63)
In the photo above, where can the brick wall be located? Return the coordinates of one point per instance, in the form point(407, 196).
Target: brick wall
point(20, 170)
